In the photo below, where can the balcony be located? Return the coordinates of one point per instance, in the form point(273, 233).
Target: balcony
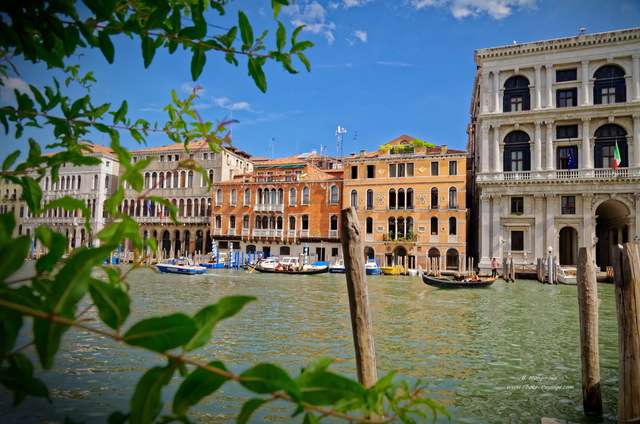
point(333, 233)
point(167, 219)
point(266, 207)
point(561, 175)
point(400, 238)
point(268, 232)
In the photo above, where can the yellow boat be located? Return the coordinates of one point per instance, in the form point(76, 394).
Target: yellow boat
point(392, 270)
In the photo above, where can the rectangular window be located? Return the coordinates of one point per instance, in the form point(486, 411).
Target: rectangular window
point(568, 205)
point(517, 161)
point(516, 103)
point(392, 170)
point(434, 169)
point(608, 95)
point(371, 171)
point(354, 172)
point(567, 157)
point(563, 75)
point(517, 241)
point(567, 131)
point(517, 205)
point(401, 170)
point(453, 167)
point(567, 98)
point(409, 169)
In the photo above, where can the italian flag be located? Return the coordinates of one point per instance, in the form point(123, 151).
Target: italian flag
point(616, 158)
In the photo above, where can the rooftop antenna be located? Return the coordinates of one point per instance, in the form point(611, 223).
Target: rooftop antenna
point(581, 31)
point(355, 140)
point(339, 135)
point(272, 145)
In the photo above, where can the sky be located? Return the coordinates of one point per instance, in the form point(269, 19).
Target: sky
point(379, 69)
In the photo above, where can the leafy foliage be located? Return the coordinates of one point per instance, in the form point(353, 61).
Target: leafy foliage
point(51, 32)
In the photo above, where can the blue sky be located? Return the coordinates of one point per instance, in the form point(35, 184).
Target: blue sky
point(379, 68)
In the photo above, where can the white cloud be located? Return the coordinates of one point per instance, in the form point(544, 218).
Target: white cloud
point(497, 9)
point(314, 16)
point(355, 3)
point(360, 35)
point(394, 63)
point(9, 85)
point(225, 103)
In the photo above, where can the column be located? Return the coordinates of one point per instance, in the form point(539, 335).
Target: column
point(636, 78)
point(550, 100)
point(636, 140)
point(497, 157)
point(539, 247)
point(485, 230)
point(484, 92)
point(538, 83)
point(588, 232)
point(550, 223)
point(586, 93)
point(586, 161)
point(495, 225)
point(637, 223)
point(484, 148)
point(497, 104)
point(549, 144)
point(537, 147)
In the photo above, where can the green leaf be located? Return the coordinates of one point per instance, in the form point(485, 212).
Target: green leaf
point(115, 232)
point(70, 204)
point(47, 337)
point(197, 62)
point(8, 221)
point(10, 160)
point(281, 34)
point(56, 244)
point(115, 200)
point(106, 46)
point(249, 408)
point(112, 303)
point(268, 378)
point(310, 418)
point(32, 193)
point(209, 316)
point(305, 61)
point(10, 324)
point(162, 333)
point(148, 49)
point(146, 401)
point(256, 72)
point(18, 377)
point(121, 113)
point(246, 32)
point(12, 255)
point(199, 384)
point(327, 388)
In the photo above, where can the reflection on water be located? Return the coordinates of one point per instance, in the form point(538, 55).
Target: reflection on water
point(505, 354)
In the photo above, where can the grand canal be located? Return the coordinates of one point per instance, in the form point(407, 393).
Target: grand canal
point(508, 354)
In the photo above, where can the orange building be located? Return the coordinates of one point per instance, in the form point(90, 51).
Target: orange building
point(410, 201)
point(281, 207)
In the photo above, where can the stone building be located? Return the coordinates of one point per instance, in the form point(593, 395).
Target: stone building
point(12, 200)
point(549, 120)
point(411, 203)
point(281, 207)
point(167, 177)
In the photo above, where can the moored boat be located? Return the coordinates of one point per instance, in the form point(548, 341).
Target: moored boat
point(457, 284)
point(180, 266)
point(392, 270)
point(337, 267)
point(567, 275)
point(372, 267)
point(272, 265)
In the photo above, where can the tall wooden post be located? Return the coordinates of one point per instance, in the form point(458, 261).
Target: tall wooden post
point(588, 303)
point(358, 298)
point(626, 269)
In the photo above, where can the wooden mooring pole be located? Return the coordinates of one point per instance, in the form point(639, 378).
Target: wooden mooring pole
point(358, 298)
point(626, 278)
point(588, 303)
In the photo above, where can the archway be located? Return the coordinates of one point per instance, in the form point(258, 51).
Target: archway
point(166, 244)
point(612, 227)
point(568, 246)
point(453, 260)
point(369, 253)
point(397, 257)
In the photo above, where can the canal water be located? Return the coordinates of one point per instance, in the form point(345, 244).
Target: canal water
point(507, 354)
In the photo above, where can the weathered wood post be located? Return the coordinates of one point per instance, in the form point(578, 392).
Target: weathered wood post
point(358, 298)
point(626, 278)
point(588, 303)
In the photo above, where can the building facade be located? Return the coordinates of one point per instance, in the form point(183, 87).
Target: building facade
point(169, 176)
point(410, 201)
point(554, 144)
point(280, 208)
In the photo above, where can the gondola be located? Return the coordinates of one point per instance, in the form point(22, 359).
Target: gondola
point(307, 271)
point(453, 284)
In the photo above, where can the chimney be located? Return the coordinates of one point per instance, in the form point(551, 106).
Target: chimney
point(443, 149)
point(362, 153)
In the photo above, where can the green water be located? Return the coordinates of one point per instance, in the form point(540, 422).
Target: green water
point(507, 354)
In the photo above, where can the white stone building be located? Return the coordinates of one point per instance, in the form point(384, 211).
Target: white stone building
point(547, 118)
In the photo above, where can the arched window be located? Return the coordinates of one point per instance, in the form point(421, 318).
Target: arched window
point(607, 137)
point(181, 208)
point(517, 153)
point(196, 207)
point(369, 225)
point(434, 198)
point(401, 198)
point(333, 224)
point(280, 196)
point(218, 222)
point(167, 180)
point(392, 230)
point(211, 174)
point(247, 196)
point(232, 224)
point(434, 226)
point(258, 224)
point(176, 177)
point(369, 199)
point(154, 180)
point(293, 196)
point(516, 94)
point(453, 226)
point(190, 179)
point(453, 198)
point(183, 179)
point(392, 198)
point(334, 195)
point(305, 222)
point(274, 196)
point(609, 86)
point(246, 222)
point(234, 197)
point(409, 197)
point(219, 197)
point(354, 199)
point(452, 259)
point(203, 205)
point(305, 196)
point(292, 223)
point(146, 180)
point(189, 207)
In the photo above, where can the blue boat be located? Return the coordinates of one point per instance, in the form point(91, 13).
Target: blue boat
point(337, 267)
point(180, 266)
point(372, 267)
